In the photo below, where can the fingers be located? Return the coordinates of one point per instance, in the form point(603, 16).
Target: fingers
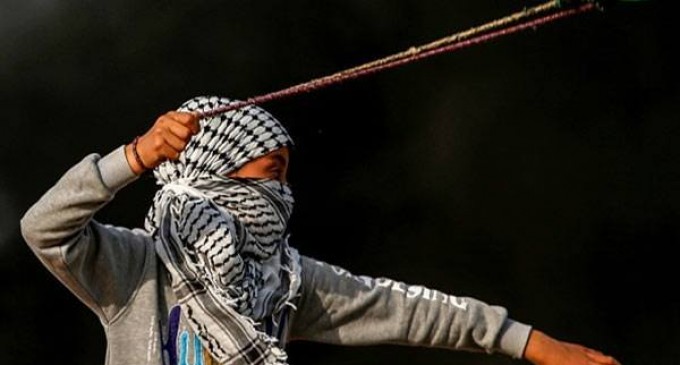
point(167, 138)
point(596, 357)
point(599, 358)
point(180, 131)
point(189, 120)
point(177, 128)
point(165, 145)
point(174, 142)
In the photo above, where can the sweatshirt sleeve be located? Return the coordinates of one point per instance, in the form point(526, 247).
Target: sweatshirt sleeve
point(340, 308)
point(101, 264)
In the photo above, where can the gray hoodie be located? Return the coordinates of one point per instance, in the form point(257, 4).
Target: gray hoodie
point(115, 271)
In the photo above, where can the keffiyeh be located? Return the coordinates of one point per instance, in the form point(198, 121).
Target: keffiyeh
point(224, 240)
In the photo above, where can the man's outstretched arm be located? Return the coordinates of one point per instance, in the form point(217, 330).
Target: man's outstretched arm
point(340, 308)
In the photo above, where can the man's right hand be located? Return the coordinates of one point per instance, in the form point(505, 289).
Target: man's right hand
point(166, 139)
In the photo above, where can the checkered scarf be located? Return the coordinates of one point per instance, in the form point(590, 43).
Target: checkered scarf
point(224, 240)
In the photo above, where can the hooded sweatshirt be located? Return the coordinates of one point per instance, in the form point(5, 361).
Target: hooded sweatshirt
point(118, 274)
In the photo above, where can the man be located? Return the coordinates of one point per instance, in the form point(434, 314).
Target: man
point(212, 279)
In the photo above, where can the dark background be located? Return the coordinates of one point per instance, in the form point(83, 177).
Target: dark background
point(539, 171)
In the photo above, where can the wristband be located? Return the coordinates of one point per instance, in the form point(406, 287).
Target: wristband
point(134, 152)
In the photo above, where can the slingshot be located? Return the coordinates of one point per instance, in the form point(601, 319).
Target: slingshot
point(528, 18)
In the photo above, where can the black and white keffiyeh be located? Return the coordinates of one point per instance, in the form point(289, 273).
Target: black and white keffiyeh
point(224, 240)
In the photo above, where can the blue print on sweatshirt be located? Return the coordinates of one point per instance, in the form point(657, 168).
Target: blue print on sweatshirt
point(169, 345)
point(184, 346)
point(176, 345)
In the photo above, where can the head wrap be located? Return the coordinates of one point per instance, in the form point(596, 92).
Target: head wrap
point(223, 240)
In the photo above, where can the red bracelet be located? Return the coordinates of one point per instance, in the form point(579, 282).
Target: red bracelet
point(134, 151)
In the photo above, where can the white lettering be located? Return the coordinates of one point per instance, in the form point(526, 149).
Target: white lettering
point(383, 283)
point(368, 282)
point(458, 302)
point(411, 292)
point(153, 338)
point(414, 291)
point(338, 270)
point(397, 287)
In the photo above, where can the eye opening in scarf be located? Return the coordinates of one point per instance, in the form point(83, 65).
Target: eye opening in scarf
point(259, 180)
point(272, 165)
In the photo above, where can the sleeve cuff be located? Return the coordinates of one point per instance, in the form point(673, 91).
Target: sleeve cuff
point(115, 170)
point(513, 338)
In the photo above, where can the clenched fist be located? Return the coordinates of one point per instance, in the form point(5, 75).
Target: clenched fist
point(166, 139)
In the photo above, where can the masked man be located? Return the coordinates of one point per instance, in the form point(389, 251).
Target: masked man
point(211, 279)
